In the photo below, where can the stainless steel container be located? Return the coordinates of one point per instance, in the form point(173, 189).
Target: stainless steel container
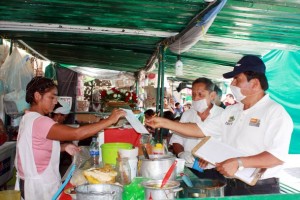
point(99, 192)
point(156, 167)
point(153, 190)
point(203, 188)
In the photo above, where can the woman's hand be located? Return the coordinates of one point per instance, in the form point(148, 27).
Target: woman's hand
point(115, 115)
point(71, 148)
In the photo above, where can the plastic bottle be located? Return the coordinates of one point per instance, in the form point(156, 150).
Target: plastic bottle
point(158, 149)
point(94, 152)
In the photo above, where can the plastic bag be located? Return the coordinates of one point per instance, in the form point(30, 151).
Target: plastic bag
point(16, 71)
point(4, 49)
point(83, 161)
point(14, 102)
point(134, 190)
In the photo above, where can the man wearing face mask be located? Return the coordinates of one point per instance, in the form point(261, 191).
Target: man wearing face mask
point(203, 109)
point(256, 125)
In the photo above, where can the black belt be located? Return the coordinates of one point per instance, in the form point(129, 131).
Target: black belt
point(268, 181)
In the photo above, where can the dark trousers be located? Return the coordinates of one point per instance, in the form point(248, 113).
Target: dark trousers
point(267, 186)
point(21, 184)
point(209, 174)
point(236, 187)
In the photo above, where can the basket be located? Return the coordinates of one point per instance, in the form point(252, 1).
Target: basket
point(117, 103)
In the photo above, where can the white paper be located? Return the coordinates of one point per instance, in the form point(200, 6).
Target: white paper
point(215, 151)
point(135, 123)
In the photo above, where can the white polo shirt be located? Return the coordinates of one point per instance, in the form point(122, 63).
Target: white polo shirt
point(191, 115)
point(266, 126)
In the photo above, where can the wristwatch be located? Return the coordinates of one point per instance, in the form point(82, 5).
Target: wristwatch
point(241, 166)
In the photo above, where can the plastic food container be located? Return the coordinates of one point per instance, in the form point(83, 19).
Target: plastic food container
point(110, 151)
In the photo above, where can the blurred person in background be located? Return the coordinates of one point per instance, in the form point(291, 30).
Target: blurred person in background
point(178, 110)
point(218, 98)
point(168, 106)
point(149, 114)
point(60, 112)
point(229, 100)
point(187, 106)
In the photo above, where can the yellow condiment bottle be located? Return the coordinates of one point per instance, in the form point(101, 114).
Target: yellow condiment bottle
point(158, 149)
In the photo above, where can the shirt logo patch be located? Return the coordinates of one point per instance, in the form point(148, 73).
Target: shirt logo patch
point(230, 120)
point(254, 122)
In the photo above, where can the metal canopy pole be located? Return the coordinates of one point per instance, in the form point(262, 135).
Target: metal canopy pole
point(11, 47)
point(158, 86)
point(162, 88)
point(158, 92)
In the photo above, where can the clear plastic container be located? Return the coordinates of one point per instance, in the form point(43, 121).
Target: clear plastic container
point(124, 171)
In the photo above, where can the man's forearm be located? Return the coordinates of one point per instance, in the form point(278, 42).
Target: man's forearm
point(187, 129)
point(262, 160)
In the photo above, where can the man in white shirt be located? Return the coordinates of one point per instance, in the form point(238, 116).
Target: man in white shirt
point(203, 109)
point(256, 125)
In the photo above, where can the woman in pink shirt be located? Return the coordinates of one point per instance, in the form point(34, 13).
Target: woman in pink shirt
point(38, 143)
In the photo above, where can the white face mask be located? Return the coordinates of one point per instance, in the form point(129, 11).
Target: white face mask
point(236, 91)
point(200, 105)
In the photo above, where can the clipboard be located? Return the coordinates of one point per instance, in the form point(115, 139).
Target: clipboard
point(212, 150)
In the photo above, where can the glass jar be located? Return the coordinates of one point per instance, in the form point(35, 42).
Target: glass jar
point(124, 171)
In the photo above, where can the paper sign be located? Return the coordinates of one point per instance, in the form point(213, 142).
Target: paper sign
point(135, 123)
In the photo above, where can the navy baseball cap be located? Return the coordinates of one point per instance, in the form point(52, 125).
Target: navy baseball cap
point(247, 63)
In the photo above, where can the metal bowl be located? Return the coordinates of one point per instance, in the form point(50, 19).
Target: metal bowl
point(203, 188)
point(99, 192)
point(156, 167)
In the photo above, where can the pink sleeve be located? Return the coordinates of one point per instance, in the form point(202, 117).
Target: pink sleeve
point(41, 127)
point(42, 147)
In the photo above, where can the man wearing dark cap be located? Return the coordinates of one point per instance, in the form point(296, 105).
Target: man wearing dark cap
point(256, 125)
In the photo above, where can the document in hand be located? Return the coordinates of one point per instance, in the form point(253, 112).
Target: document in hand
point(135, 123)
point(214, 151)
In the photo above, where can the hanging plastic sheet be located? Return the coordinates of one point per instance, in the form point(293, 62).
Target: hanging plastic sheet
point(16, 71)
point(194, 34)
point(283, 73)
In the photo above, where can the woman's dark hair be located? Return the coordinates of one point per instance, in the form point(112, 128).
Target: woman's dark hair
point(38, 84)
point(209, 85)
point(261, 78)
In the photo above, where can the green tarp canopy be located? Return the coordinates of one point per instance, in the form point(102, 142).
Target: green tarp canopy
point(283, 73)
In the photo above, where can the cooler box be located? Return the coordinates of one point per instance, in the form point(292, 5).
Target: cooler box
point(122, 135)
